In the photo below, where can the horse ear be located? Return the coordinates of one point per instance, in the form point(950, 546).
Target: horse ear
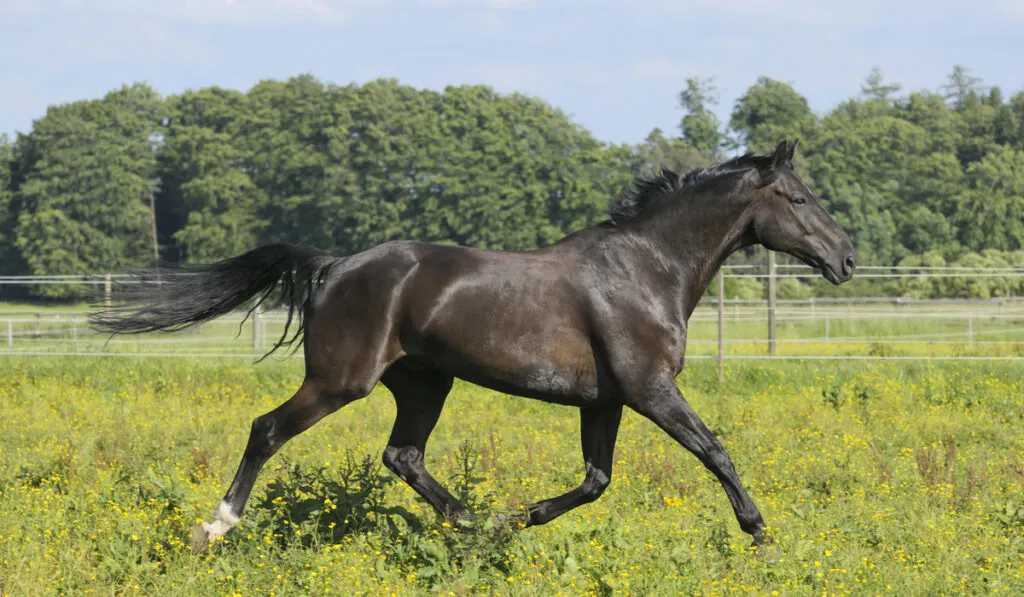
point(782, 154)
point(792, 149)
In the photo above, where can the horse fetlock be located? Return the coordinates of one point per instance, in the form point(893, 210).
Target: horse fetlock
point(752, 524)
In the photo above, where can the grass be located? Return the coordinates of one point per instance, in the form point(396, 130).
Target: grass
point(876, 478)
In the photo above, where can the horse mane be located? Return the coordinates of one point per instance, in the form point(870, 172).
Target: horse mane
point(648, 189)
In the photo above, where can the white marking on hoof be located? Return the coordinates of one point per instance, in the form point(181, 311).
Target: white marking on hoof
point(206, 532)
point(223, 520)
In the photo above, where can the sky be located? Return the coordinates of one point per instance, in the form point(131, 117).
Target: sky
point(614, 66)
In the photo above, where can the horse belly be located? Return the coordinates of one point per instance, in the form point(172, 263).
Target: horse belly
point(555, 368)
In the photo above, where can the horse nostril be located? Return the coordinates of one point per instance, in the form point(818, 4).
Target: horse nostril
point(848, 265)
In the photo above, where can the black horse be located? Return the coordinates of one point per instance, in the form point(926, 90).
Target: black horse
point(596, 320)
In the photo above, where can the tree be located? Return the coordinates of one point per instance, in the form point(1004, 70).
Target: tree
point(211, 207)
point(511, 172)
point(930, 112)
point(875, 88)
point(866, 214)
point(344, 168)
point(467, 166)
point(228, 222)
point(84, 202)
point(881, 170)
point(1006, 127)
point(7, 223)
point(700, 127)
point(990, 208)
point(658, 151)
point(962, 87)
point(286, 139)
point(1017, 107)
point(768, 112)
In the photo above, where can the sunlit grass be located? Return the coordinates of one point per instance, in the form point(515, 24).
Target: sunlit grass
point(902, 479)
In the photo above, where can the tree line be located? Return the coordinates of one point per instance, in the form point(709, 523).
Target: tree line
point(919, 178)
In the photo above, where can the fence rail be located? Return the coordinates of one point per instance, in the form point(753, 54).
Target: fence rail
point(841, 328)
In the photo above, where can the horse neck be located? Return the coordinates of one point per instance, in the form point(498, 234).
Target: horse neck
point(696, 234)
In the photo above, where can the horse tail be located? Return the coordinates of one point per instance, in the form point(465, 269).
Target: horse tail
point(169, 300)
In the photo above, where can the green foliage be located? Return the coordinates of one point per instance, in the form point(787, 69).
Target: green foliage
point(962, 86)
point(875, 87)
point(700, 127)
point(990, 210)
point(343, 168)
point(923, 286)
point(739, 288)
point(84, 200)
point(210, 206)
point(770, 111)
point(658, 151)
point(8, 251)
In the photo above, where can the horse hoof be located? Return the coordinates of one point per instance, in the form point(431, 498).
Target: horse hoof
point(767, 550)
point(463, 519)
point(200, 538)
point(510, 521)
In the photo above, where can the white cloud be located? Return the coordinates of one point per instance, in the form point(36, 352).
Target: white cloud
point(514, 3)
point(1010, 8)
point(248, 11)
point(768, 12)
point(483, 3)
point(196, 11)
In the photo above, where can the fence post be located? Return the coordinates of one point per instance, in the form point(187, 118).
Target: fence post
point(811, 300)
point(970, 330)
point(771, 302)
point(39, 329)
point(826, 330)
point(10, 334)
point(74, 331)
point(721, 325)
point(106, 290)
point(256, 328)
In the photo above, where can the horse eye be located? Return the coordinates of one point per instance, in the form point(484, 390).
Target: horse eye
point(798, 200)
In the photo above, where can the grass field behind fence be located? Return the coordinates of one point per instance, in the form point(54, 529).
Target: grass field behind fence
point(877, 479)
point(875, 330)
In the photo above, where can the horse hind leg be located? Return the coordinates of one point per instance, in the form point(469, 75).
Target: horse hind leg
point(419, 397)
point(318, 396)
point(268, 433)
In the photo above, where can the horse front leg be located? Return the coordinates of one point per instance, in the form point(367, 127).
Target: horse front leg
point(598, 429)
point(663, 403)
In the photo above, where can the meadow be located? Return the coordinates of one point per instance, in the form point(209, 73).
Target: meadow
point(877, 478)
